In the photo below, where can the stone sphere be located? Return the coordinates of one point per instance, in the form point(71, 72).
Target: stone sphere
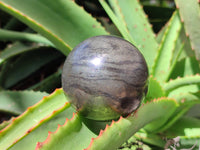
point(105, 77)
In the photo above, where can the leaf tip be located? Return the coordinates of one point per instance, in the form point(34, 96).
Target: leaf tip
point(39, 145)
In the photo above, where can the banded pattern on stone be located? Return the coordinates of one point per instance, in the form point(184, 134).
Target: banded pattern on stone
point(104, 77)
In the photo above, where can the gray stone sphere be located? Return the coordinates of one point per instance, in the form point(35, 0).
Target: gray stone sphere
point(105, 77)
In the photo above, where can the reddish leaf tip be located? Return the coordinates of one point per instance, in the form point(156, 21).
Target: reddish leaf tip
point(90, 145)
point(101, 132)
point(58, 126)
point(39, 145)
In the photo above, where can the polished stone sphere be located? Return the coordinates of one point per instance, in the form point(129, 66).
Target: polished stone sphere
point(105, 77)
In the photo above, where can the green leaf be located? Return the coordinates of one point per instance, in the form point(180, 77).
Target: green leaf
point(180, 111)
point(140, 29)
point(64, 23)
point(18, 70)
point(154, 126)
point(194, 111)
point(190, 15)
point(164, 57)
point(32, 118)
point(186, 97)
point(49, 83)
point(190, 142)
point(16, 102)
point(174, 61)
point(151, 139)
point(120, 131)
point(14, 35)
point(155, 90)
point(186, 102)
point(121, 27)
point(74, 132)
point(15, 49)
point(185, 67)
point(41, 133)
point(185, 126)
point(13, 24)
point(179, 82)
point(138, 26)
point(161, 33)
point(183, 39)
point(185, 89)
point(5, 123)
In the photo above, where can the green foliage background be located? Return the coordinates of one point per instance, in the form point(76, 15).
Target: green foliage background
point(37, 35)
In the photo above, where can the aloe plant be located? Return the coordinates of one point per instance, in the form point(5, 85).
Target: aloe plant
point(170, 109)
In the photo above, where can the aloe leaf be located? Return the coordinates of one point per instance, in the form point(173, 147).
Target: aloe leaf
point(77, 132)
point(154, 126)
point(74, 132)
point(48, 83)
point(187, 97)
point(15, 49)
point(194, 111)
point(5, 123)
point(120, 131)
point(190, 15)
point(41, 133)
point(185, 126)
point(18, 70)
point(16, 102)
point(179, 82)
point(109, 27)
point(164, 57)
point(121, 27)
point(185, 67)
point(190, 142)
point(14, 35)
point(181, 50)
point(13, 24)
point(180, 111)
point(155, 90)
point(174, 62)
point(183, 90)
point(161, 33)
point(32, 118)
point(118, 13)
point(187, 49)
point(58, 21)
point(151, 139)
point(187, 101)
point(138, 26)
